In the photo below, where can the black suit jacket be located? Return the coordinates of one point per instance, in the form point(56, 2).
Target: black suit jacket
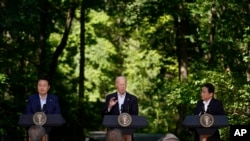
point(34, 105)
point(215, 107)
point(130, 105)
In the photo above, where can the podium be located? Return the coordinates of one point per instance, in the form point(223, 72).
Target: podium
point(193, 121)
point(53, 120)
point(111, 121)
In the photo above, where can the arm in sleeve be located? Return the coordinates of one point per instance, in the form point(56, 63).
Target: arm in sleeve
point(105, 110)
point(57, 106)
point(134, 107)
point(28, 109)
point(221, 110)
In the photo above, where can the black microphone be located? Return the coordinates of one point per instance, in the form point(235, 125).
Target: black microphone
point(208, 109)
point(202, 110)
point(129, 103)
point(38, 108)
point(44, 108)
point(122, 108)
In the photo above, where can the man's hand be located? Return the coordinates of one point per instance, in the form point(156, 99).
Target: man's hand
point(112, 102)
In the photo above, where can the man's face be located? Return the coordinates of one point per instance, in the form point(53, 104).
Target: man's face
point(43, 87)
point(205, 95)
point(121, 85)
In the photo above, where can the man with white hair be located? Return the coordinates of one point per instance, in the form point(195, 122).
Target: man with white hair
point(36, 133)
point(114, 135)
point(170, 137)
point(121, 101)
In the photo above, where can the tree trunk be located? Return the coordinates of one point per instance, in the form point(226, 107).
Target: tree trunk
point(81, 76)
point(212, 57)
point(62, 45)
point(181, 25)
point(248, 45)
point(248, 65)
point(42, 37)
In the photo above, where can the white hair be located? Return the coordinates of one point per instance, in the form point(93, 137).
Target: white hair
point(36, 132)
point(170, 137)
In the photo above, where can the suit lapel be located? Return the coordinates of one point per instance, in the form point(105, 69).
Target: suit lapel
point(210, 106)
point(48, 102)
point(127, 99)
point(201, 108)
point(117, 104)
point(38, 103)
point(127, 102)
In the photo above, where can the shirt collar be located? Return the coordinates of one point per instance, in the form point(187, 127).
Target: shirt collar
point(44, 97)
point(121, 95)
point(207, 102)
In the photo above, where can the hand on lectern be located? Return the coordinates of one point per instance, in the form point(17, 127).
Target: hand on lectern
point(112, 102)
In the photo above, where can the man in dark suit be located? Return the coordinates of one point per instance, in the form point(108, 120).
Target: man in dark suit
point(121, 101)
point(42, 101)
point(208, 104)
point(49, 106)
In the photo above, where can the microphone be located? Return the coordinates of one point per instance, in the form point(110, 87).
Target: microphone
point(122, 108)
point(208, 109)
point(38, 108)
point(44, 108)
point(202, 110)
point(129, 103)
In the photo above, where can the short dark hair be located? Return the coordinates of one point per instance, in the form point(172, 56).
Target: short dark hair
point(210, 87)
point(44, 78)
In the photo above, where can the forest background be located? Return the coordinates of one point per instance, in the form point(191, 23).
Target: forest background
point(166, 48)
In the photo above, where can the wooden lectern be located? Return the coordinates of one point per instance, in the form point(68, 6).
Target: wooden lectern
point(111, 121)
point(193, 121)
point(53, 120)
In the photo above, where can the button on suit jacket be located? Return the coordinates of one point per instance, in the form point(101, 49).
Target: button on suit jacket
point(34, 105)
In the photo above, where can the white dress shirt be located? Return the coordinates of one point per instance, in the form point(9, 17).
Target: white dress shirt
point(206, 103)
point(121, 98)
point(42, 100)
